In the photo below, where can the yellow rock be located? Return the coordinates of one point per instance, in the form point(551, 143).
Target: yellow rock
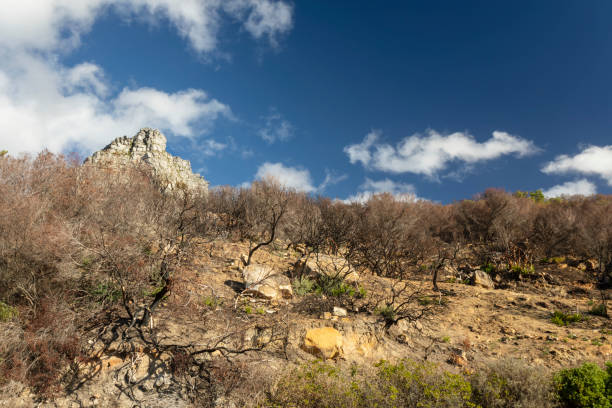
point(111, 362)
point(323, 342)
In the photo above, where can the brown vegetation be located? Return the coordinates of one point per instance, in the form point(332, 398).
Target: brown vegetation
point(96, 251)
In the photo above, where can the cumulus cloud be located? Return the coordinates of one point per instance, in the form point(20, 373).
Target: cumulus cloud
point(276, 128)
point(360, 152)
point(46, 104)
point(401, 191)
point(54, 24)
point(592, 160)
point(331, 178)
point(296, 177)
point(431, 153)
point(579, 187)
point(287, 176)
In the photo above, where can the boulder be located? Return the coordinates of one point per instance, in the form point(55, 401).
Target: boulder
point(329, 265)
point(482, 279)
point(323, 342)
point(263, 281)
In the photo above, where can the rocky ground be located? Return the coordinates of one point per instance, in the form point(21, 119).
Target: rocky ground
point(209, 307)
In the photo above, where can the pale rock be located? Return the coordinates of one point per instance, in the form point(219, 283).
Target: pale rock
point(323, 342)
point(482, 279)
point(148, 148)
point(263, 281)
point(340, 311)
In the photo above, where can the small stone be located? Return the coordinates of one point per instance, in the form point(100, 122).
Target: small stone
point(339, 311)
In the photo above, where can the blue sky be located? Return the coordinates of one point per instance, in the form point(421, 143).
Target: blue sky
point(439, 99)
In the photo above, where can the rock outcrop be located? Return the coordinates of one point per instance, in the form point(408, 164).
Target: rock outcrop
point(148, 148)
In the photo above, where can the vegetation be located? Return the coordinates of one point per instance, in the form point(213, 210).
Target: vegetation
point(88, 252)
point(585, 386)
point(405, 384)
point(7, 312)
point(506, 383)
point(563, 319)
point(599, 310)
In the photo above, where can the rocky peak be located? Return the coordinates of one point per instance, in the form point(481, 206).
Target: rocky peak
point(148, 147)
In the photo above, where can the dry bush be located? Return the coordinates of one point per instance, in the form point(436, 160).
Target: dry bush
point(391, 238)
point(303, 224)
point(253, 214)
point(555, 229)
point(510, 383)
point(337, 224)
point(595, 235)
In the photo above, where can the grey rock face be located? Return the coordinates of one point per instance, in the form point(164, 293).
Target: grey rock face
point(149, 147)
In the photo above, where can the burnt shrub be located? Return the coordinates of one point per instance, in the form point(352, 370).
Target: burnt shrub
point(510, 383)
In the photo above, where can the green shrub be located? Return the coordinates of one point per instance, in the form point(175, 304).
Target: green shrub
point(599, 310)
point(405, 384)
point(511, 383)
point(303, 286)
point(609, 380)
point(523, 269)
point(413, 384)
point(211, 302)
point(327, 285)
point(585, 386)
point(488, 268)
point(7, 312)
point(387, 312)
point(105, 292)
point(316, 384)
point(563, 319)
point(334, 286)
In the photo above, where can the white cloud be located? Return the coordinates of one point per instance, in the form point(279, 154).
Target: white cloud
point(287, 176)
point(45, 104)
point(330, 179)
point(592, 160)
point(401, 191)
point(431, 153)
point(265, 17)
point(54, 24)
point(276, 128)
point(361, 152)
point(579, 187)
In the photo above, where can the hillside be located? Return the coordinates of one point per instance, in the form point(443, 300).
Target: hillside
point(117, 291)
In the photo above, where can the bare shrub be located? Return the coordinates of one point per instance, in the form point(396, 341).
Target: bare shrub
point(510, 383)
